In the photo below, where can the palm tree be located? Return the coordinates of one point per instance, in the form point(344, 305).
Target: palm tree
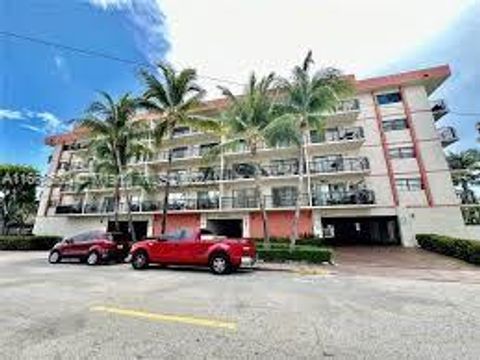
point(245, 122)
point(466, 169)
point(174, 99)
point(307, 98)
point(115, 139)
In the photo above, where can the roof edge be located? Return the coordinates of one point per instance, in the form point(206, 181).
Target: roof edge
point(433, 77)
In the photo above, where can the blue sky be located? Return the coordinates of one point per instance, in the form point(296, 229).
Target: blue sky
point(41, 87)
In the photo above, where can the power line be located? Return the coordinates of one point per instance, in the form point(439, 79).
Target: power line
point(465, 114)
point(95, 53)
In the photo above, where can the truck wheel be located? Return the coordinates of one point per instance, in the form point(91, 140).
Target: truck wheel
point(93, 258)
point(220, 264)
point(54, 257)
point(140, 260)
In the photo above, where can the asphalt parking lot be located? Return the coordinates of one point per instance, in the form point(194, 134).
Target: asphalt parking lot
point(72, 311)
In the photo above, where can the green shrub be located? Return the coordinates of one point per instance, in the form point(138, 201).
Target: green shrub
point(468, 250)
point(310, 254)
point(285, 241)
point(31, 242)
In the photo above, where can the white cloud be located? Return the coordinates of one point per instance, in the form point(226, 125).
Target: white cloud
point(148, 21)
point(228, 39)
point(105, 4)
point(32, 128)
point(50, 121)
point(6, 114)
point(62, 67)
point(44, 122)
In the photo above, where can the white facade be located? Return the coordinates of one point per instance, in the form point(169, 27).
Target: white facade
point(385, 161)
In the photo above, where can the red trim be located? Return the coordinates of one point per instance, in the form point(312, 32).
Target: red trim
point(413, 134)
point(405, 78)
point(383, 138)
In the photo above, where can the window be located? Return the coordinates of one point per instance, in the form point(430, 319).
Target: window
point(327, 164)
point(245, 198)
point(204, 148)
point(180, 131)
point(402, 152)
point(412, 184)
point(107, 204)
point(207, 199)
point(389, 98)
point(178, 235)
point(284, 196)
point(395, 124)
point(284, 167)
point(177, 201)
point(243, 170)
point(178, 176)
point(179, 153)
point(87, 236)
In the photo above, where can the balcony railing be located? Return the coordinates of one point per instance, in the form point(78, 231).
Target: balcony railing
point(356, 197)
point(448, 135)
point(339, 165)
point(347, 134)
point(279, 201)
point(69, 209)
point(349, 105)
point(439, 108)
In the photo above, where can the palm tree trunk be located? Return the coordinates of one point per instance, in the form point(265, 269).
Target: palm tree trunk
point(263, 210)
point(296, 217)
point(130, 219)
point(118, 185)
point(116, 202)
point(166, 195)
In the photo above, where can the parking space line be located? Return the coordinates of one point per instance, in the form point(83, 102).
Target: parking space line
point(306, 271)
point(191, 320)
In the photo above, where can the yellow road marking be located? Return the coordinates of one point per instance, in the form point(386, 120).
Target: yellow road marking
point(312, 272)
point(169, 318)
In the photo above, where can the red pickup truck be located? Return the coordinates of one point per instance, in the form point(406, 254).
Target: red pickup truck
point(199, 248)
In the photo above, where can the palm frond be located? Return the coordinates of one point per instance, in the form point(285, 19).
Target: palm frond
point(201, 123)
point(283, 129)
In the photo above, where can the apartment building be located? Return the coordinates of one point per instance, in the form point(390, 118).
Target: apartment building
point(378, 174)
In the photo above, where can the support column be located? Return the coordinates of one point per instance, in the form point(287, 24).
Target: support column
point(406, 219)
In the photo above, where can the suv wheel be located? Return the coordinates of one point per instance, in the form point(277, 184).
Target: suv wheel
point(140, 260)
point(54, 257)
point(220, 264)
point(93, 258)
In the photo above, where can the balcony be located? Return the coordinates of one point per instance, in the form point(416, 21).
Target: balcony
point(69, 209)
point(340, 165)
point(287, 201)
point(448, 135)
point(137, 207)
point(439, 108)
point(347, 110)
point(355, 197)
point(337, 135)
point(200, 177)
point(346, 198)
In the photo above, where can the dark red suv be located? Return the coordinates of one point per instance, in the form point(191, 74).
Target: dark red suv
point(93, 247)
